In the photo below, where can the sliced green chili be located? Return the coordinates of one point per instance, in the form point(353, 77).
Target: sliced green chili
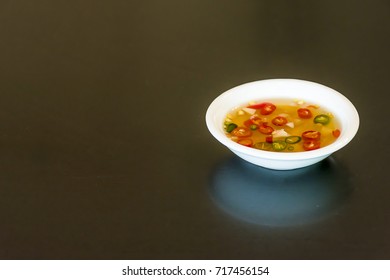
point(230, 127)
point(322, 119)
point(279, 145)
point(265, 146)
point(293, 139)
point(290, 148)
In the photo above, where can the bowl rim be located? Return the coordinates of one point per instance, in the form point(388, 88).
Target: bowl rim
point(346, 136)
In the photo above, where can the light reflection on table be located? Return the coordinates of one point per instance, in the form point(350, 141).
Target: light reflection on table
point(279, 198)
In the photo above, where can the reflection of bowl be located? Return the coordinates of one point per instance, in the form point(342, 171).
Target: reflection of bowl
point(279, 198)
point(269, 90)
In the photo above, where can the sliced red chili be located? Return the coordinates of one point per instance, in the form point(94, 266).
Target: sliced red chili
point(268, 109)
point(245, 142)
point(336, 133)
point(310, 145)
point(266, 129)
point(248, 123)
point(311, 135)
point(256, 120)
point(269, 139)
point(255, 106)
point(279, 121)
point(253, 120)
point(265, 108)
point(304, 113)
point(241, 132)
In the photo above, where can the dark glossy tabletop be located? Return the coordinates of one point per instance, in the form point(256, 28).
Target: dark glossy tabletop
point(104, 149)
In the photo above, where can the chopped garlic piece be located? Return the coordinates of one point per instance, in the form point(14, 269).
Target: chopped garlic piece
point(249, 110)
point(298, 102)
point(241, 112)
point(280, 133)
point(290, 124)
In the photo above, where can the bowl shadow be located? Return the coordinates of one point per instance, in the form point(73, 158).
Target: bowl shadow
point(279, 198)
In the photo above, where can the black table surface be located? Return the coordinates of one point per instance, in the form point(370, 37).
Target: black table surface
point(104, 149)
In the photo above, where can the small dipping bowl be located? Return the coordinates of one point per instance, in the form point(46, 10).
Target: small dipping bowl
point(289, 89)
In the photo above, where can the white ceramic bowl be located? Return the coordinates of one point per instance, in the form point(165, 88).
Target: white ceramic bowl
point(269, 90)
